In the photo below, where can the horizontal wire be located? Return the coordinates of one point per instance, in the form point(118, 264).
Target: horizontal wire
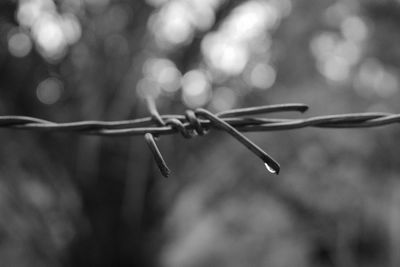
point(147, 125)
point(263, 110)
point(199, 122)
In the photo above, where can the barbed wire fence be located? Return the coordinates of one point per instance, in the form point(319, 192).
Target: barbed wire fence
point(200, 121)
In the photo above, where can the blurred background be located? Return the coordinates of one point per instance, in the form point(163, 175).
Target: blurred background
point(69, 200)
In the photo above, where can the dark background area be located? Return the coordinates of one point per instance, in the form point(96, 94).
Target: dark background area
point(72, 200)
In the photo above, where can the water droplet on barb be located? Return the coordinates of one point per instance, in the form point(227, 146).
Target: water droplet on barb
point(271, 170)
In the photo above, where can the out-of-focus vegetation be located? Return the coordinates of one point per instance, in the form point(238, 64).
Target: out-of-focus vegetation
point(68, 200)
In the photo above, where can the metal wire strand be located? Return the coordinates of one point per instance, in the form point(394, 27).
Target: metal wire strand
point(151, 106)
point(200, 122)
point(195, 122)
point(180, 127)
point(263, 110)
point(271, 164)
point(158, 158)
point(146, 125)
point(150, 140)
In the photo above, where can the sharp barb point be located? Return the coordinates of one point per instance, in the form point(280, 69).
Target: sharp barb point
point(157, 155)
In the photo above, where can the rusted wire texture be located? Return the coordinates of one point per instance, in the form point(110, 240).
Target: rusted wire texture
point(200, 121)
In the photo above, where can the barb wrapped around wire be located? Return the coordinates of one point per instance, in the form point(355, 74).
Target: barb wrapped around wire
point(200, 121)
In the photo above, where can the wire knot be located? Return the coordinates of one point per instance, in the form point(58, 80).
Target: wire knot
point(190, 130)
point(195, 123)
point(199, 122)
point(191, 125)
point(180, 127)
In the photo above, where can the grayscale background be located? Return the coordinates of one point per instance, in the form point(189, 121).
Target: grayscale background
point(73, 200)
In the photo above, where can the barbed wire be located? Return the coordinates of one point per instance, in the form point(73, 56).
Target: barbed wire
point(200, 121)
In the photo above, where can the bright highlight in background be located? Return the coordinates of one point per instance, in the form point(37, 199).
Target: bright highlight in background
point(49, 36)
point(250, 19)
point(229, 50)
point(49, 90)
point(196, 89)
point(261, 76)
point(19, 44)
point(224, 55)
point(373, 79)
point(176, 22)
point(51, 31)
point(164, 72)
point(338, 53)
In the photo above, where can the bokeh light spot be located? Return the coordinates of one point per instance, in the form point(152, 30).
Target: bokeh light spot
point(164, 72)
point(228, 57)
point(196, 88)
point(335, 69)
point(169, 79)
point(31, 10)
point(172, 24)
point(354, 28)
point(261, 76)
point(51, 31)
point(203, 14)
point(50, 37)
point(49, 90)
point(374, 79)
point(252, 18)
point(71, 28)
point(148, 88)
point(228, 50)
point(335, 56)
point(335, 14)
point(19, 44)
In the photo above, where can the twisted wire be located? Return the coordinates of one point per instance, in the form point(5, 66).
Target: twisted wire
point(146, 125)
point(150, 140)
point(200, 121)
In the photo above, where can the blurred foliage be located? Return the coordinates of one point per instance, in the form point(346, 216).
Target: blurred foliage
point(69, 200)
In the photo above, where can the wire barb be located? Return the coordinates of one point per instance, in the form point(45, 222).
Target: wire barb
point(157, 155)
point(200, 121)
point(271, 164)
point(150, 140)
